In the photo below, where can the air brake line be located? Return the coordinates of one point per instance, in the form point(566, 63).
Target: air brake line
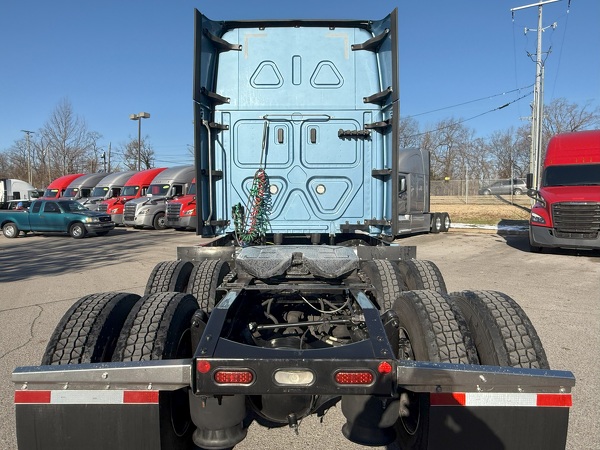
point(250, 229)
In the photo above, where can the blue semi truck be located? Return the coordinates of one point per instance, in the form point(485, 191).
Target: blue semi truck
point(299, 302)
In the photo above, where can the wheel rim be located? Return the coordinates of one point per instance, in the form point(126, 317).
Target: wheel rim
point(10, 231)
point(161, 222)
point(77, 231)
point(447, 222)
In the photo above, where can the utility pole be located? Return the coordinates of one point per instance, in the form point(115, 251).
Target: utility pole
point(538, 96)
point(109, 147)
point(29, 171)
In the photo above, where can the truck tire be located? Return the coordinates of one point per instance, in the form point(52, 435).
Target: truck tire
point(77, 231)
point(89, 330)
point(421, 274)
point(204, 280)
point(158, 328)
point(436, 223)
point(160, 221)
point(431, 328)
point(169, 276)
point(502, 332)
point(10, 230)
point(386, 279)
point(446, 222)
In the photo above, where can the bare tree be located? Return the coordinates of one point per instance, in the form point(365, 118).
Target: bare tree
point(408, 133)
point(69, 141)
point(448, 145)
point(130, 154)
point(511, 158)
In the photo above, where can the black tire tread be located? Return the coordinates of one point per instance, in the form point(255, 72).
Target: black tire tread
point(419, 274)
point(88, 327)
point(444, 329)
point(386, 280)
point(169, 276)
point(146, 334)
point(204, 280)
point(499, 321)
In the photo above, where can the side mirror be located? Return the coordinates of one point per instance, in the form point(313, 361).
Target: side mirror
point(529, 181)
point(402, 185)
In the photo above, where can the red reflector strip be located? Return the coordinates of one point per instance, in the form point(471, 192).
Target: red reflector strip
point(140, 397)
point(500, 399)
point(352, 377)
point(87, 397)
point(32, 397)
point(561, 400)
point(449, 399)
point(234, 377)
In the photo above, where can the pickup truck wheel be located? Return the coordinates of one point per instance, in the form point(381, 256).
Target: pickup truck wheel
point(77, 230)
point(204, 280)
point(158, 328)
point(170, 276)
point(386, 279)
point(160, 221)
point(502, 332)
point(431, 328)
point(10, 230)
point(89, 330)
point(421, 274)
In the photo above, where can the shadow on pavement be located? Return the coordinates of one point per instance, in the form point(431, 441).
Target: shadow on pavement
point(51, 254)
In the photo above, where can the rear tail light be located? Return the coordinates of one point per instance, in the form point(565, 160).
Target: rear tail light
point(354, 377)
point(234, 376)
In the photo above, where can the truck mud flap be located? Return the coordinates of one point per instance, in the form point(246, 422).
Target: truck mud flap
point(463, 421)
point(70, 420)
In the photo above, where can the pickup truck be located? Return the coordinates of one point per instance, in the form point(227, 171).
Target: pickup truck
point(66, 216)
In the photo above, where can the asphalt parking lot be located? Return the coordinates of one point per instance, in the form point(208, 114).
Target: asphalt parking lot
point(42, 276)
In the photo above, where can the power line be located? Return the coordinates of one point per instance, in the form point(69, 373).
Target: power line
point(473, 117)
point(468, 102)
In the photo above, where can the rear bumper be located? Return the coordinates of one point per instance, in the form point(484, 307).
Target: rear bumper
point(545, 237)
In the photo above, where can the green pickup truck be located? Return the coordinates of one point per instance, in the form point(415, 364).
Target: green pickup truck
point(56, 215)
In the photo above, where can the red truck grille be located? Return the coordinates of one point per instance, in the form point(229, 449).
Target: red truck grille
point(102, 207)
point(576, 220)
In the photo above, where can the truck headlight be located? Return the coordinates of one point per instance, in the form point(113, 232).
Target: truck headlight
point(92, 219)
point(189, 212)
point(143, 212)
point(536, 218)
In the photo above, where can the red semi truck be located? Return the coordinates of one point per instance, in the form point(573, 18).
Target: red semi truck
point(135, 187)
point(181, 211)
point(567, 209)
point(60, 185)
